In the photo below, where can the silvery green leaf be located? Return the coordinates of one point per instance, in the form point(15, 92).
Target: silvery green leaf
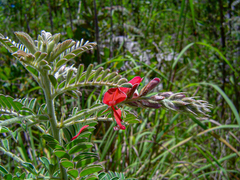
point(56, 37)
point(37, 54)
point(89, 70)
point(60, 48)
point(8, 44)
point(69, 56)
point(127, 85)
point(43, 62)
point(47, 67)
point(121, 81)
point(116, 79)
point(69, 75)
point(27, 41)
point(79, 73)
point(104, 74)
point(98, 71)
point(60, 63)
point(41, 56)
point(50, 47)
point(111, 76)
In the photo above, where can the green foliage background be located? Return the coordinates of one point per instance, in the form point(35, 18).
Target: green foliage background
point(192, 46)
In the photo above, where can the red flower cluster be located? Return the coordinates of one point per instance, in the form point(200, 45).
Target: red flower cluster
point(116, 95)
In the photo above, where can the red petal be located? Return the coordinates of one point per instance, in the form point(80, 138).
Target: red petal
point(117, 115)
point(114, 96)
point(135, 80)
point(79, 132)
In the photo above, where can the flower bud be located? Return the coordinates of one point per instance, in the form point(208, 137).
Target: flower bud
point(152, 84)
point(149, 104)
point(157, 98)
point(166, 94)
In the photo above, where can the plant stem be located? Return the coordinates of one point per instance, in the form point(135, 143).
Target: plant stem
point(51, 111)
point(15, 157)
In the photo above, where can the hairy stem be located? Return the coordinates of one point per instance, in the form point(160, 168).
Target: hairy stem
point(51, 111)
point(15, 157)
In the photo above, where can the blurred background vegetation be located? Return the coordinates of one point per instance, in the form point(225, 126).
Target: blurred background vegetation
point(192, 46)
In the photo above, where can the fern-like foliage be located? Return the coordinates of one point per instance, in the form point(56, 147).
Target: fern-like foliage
point(48, 54)
point(113, 175)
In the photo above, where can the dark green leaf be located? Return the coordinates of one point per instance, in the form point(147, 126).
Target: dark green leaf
point(80, 147)
point(5, 144)
point(75, 142)
point(91, 177)
point(90, 170)
point(131, 118)
point(85, 161)
point(61, 154)
point(8, 177)
point(53, 81)
point(45, 161)
point(85, 134)
point(3, 170)
point(66, 163)
point(85, 155)
point(4, 129)
point(49, 138)
point(6, 102)
point(43, 117)
point(22, 176)
point(30, 167)
point(102, 175)
point(73, 172)
point(55, 145)
point(33, 71)
point(61, 85)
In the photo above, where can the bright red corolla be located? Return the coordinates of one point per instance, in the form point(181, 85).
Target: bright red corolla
point(79, 132)
point(116, 95)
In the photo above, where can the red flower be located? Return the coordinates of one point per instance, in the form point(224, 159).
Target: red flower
point(116, 95)
point(79, 132)
point(135, 81)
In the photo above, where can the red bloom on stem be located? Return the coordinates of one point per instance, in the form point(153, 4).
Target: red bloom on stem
point(116, 95)
point(135, 81)
point(79, 132)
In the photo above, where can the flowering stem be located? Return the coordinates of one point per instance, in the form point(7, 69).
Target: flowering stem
point(115, 112)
